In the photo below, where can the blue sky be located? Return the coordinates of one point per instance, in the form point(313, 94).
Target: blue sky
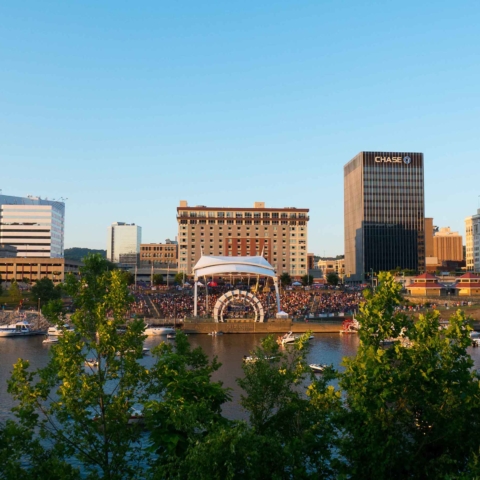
point(128, 107)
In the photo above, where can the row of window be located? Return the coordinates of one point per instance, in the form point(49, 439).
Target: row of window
point(242, 214)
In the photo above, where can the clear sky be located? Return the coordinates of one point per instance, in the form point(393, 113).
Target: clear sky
point(126, 107)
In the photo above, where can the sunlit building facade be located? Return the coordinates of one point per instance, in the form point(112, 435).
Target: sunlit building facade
point(123, 239)
point(384, 213)
point(34, 226)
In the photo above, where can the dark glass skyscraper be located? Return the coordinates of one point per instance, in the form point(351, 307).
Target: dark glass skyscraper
point(384, 213)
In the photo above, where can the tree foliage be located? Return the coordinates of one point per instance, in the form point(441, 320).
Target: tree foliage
point(332, 278)
point(179, 278)
point(285, 279)
point(45, 290)
point(14, 293)
point(157, 279)
point(307, 280)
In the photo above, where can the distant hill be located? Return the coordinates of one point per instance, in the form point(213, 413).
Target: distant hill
point(78, 254)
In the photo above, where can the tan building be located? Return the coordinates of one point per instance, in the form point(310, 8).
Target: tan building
point(329, 265)
point(447, 245)
point(429, 237)
point(36, 268)
point(159, 253)
point(472, 229)
point(280, 234)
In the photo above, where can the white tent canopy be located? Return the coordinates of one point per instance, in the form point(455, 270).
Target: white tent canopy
point(209, 265)
point(215, 265)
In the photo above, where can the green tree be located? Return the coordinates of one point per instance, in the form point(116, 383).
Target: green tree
point(84, 411)
point(179, 278)
point(332, 278)
point(307, 280)
point(157, 279)
point(129, 278)
point(285, 279)
point(189, 409)
point(412, 410)
point(14, 293)
point(45, 290)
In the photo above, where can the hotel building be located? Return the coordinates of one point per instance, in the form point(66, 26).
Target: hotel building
point(157, 254)
point(472, 240)
point(34, 226)
point(447, 246)
point(280, 234)
point(123, 239)
point(384, 213)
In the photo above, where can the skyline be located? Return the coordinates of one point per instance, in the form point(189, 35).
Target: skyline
point(126, 110)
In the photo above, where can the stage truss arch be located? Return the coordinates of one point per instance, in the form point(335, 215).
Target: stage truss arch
point(227, 298)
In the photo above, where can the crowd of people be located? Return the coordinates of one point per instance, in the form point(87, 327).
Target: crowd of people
point(296, 303)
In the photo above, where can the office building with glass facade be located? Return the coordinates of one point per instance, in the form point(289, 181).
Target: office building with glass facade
point(384, 213)
point(123, 239)
point(34, 226)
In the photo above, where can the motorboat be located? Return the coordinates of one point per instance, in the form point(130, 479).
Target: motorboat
point(350, 326)
point(16, 329)
point(58, 331)
point(49, 339)
point(171, 336)
point(91, 362)
point(253, 358)
point(152, 331)
point(317, 367)
point(289, 338)
point(215, 333)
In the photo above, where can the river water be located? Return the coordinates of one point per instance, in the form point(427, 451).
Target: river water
point(326, 348)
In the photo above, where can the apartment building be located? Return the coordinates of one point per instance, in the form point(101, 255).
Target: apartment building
point(123, 239)
point(279, 234)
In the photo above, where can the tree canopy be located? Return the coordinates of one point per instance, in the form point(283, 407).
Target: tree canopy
point(45, 290)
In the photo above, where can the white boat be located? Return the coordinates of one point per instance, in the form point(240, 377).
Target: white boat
point(16, 329)
point(50, 339)
point(145, 351)
point(253, 358)
point(215, 334)
point(171, 336)
point(290, 338)
point(317, 367)
point(474, 335)
point(58, 331)
point(151, 330)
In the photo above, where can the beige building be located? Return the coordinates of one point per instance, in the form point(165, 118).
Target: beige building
point(472, 240)
point(159, 253)
point(447, 245)
point(429, 237)
point(279, 234)
point(330, 265)
point(35, 268)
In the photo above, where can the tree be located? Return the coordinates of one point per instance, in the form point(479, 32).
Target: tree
point(332, 278)
point(45, 290)
point(129, 278)
point(157, 279)
point(285, 279)
point(84, 411)
point(14, 293)
point(179, 278)
point(307, 280)
point(189, 409)
point(412, 410)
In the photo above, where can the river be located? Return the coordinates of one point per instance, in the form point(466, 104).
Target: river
point(326, 348)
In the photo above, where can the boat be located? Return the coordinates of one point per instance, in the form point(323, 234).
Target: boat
point(215, 333)
point(145, 351)
point(253, 358)
point(91, 362)
point(290, 338)
point(350, 326)
point(49, 339)
point(58, 331)
point(16, 330)
point(317, 367)
point(171, 336)
point(152, 331)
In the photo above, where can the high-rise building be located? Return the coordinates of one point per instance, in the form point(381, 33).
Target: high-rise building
point(280, 234)
point(447, 245)
point(34, 226)
point(429, 232)
point(123, 239)
point(472, 239)
point(384, 213)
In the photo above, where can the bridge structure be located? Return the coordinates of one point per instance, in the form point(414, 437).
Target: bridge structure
point(252, 267)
